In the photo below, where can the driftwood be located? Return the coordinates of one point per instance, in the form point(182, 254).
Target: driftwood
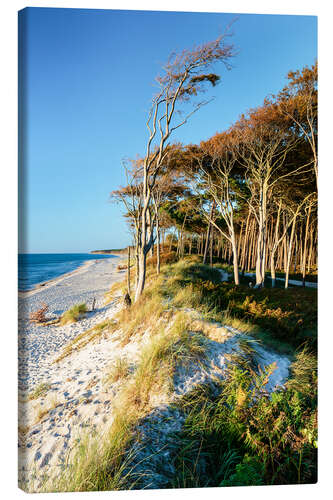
point(39, 316)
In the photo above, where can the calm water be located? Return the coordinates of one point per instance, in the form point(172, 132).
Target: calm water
point(34, 268)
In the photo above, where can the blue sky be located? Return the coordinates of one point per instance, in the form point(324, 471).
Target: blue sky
point(88, 79)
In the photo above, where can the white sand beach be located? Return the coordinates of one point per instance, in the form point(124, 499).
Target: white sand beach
point(37, 344)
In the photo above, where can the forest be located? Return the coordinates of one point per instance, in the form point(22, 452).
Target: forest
point(246, 196)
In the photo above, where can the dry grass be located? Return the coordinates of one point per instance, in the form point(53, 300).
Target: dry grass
point(40, 411)
point(117, 289)
point(118, 371)
point(143, 314)
point(81, 340)
point(107, 464)
point(74, 314)
point(23, 430)
point(213, 331)
point(39, 391)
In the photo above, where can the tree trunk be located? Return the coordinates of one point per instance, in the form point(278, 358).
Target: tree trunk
point(138, 236)
point(310, 251)
point(151, 229)
point(206, 244)
point(146, 242)
point(235, 259)
point(305, 245)
point(211, 248)
point(289, 252)
point(296, 252)
point(274, 244)
point(129, 271)
point(158, 265)
point(261, 245)
point(273, 278)
point(285, 249)
point(171, 239)
point(212, 208)
point(245, 245)
point(178, 244)
point(142, 275)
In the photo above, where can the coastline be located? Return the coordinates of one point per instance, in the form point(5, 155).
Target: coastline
point(54, 281)
point(38, 343)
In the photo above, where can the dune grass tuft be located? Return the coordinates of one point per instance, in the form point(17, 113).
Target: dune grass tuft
point(39, 391)
point(74, 314)
point(119, 370)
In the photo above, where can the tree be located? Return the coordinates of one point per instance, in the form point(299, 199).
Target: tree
point(130, 197)
point(216, 169)
point(265, 145)
point(184, 78)
point(168, 186)
point(298, 101)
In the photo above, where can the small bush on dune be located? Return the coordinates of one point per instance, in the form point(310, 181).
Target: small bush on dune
point(39, 391)
point(73, 314)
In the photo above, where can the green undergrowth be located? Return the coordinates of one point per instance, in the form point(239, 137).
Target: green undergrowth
point(285, 318)
point(242, 437)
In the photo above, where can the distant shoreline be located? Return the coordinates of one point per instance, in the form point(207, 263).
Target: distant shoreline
point(54, 281)
point(119, 251)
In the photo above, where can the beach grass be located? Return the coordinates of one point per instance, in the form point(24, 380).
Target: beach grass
point(119, 370)
point(73, 314)
point(39, 391)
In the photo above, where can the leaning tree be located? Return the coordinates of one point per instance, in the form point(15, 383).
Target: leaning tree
point(184, 78)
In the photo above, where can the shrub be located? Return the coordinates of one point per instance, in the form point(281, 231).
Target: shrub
point(73, 314)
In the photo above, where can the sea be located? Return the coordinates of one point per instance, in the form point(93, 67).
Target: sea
point(35, 268)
